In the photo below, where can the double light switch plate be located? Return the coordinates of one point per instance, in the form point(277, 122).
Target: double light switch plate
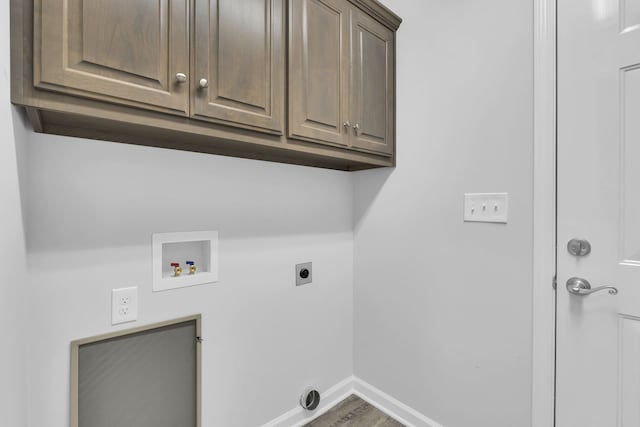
point(486, 207)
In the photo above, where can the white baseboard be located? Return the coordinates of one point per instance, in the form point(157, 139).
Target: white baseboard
point(298, 417)
point(391, 406)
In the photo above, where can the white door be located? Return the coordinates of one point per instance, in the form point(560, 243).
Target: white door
point(598, 335)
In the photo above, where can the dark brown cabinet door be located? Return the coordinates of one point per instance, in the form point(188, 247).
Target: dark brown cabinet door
point(372, 86)
point(319, 70)
point(122, 51)
point(239, 68)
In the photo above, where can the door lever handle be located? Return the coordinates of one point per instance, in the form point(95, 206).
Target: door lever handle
point(582, 287)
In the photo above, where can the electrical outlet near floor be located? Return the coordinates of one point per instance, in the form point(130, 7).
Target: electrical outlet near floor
point(124, 305)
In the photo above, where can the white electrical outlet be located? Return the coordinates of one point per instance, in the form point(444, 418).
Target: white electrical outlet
point(124, 305)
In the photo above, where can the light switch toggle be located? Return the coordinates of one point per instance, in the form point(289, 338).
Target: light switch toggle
point(486, 207)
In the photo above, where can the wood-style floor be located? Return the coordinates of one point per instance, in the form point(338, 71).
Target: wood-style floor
point(354, 412)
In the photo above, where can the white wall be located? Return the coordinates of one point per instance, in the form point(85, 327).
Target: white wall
point(92, 208)
point(13, 409)
point(443, 308)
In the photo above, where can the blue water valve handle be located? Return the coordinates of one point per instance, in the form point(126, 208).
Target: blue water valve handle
point(192, 267)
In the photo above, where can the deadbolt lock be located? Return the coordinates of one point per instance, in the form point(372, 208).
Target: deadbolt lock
point(579, 247)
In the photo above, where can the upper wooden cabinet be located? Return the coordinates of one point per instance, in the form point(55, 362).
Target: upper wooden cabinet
point(319, 70)
point(372, 85)
point(341, 76)
point(211, 76)
point(239, 62)
point(122, 51)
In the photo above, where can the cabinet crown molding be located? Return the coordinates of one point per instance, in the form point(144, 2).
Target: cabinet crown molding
point(380, 12)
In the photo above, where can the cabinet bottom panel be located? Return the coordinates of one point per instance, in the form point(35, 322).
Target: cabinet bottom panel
point(189, 136)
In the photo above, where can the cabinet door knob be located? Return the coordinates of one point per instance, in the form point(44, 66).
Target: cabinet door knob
point(204, 83)
point(181, 77)
point(356, 128)
point(346, 124)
